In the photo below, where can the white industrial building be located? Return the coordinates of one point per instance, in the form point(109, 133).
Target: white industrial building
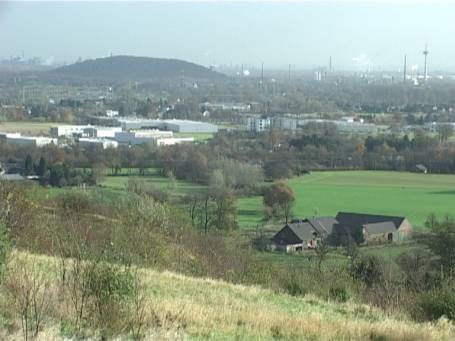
point(435, 126)
point(104, 143)
point(177, 126)
point(4, 136)
point(240, 107)
point(346, 126)
point(159, 137)
point(141, 136)
point(32, 141)
point(101, 132)
point(84, 131)
point(111, 113)
point(168, 141)
point(284, 123)
point(68, 130)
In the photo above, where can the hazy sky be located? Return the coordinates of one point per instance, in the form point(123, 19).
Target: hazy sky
point(304, 34)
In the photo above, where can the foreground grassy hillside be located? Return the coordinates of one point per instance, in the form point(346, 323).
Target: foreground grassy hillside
point(202, 309)
point(394, 193)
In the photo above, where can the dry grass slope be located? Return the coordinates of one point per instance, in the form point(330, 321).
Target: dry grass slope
point(206, 309)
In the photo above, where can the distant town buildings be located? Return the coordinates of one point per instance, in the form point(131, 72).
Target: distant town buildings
point(131, 132)
point(434, 126)
point(238, 107)
point(258, 123)
point(347, 124)
point(111, 113)
point(285, 123)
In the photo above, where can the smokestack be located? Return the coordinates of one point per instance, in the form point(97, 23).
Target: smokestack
point(262, 74)
point(289, 74)
point(330, 64)
point(404, 69)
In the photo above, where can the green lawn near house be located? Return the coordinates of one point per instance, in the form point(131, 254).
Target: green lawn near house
point(391, 193)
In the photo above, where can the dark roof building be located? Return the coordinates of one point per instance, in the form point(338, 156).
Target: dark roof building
point(360, 219)
point(300, 234)
point(362, 228)
point(373, 228)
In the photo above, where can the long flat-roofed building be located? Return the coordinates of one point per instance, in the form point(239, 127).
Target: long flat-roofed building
point(36, 141)
point(177, 126)
point(104, 143)
point(68, 130)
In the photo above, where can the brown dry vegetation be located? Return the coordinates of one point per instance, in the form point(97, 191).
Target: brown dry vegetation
point(181, 307)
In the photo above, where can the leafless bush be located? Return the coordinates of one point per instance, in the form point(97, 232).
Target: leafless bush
point(29, 291)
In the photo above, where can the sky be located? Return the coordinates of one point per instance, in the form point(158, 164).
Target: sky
point(304, 34)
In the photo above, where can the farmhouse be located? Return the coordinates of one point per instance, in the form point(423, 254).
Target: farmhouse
point(303, 234)
point(363, 228)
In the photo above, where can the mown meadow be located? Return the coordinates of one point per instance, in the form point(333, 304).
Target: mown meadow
point(391, 193)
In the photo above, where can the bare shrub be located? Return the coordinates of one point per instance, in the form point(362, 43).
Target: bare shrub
point(28, 289)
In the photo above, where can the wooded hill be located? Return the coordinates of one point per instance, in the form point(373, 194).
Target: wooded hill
point(130, 68)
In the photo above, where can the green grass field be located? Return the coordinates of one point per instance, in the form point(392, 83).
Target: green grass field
point(27, 128)
point(393, 193)
point(152, 178)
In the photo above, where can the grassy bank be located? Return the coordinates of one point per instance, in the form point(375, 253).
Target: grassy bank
point(202, 309)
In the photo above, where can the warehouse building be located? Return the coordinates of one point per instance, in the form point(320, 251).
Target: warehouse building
point(32, 141)
point(177, 126)
point(104, 143)
point(141, 136)
point(68, 130)
point(101, 132)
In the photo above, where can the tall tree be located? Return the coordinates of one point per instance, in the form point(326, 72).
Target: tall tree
point(280, 197)
point(42, 167)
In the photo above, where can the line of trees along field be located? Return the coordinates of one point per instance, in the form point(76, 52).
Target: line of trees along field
point(94, 285)
point(243, 158)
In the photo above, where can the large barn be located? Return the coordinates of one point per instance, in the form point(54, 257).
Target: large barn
point(365, 229)
point(375, 229)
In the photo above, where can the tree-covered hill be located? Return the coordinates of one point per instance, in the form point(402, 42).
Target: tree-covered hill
point(131, 68)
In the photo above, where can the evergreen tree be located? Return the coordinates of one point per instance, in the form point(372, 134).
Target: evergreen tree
point(28, 165)
point(42, 167)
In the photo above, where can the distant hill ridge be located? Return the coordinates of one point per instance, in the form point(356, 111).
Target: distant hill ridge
point(121, 68)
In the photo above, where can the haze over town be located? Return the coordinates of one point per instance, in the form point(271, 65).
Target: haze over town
point(303, 34)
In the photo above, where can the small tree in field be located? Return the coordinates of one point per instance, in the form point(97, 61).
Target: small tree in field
point(280, 198)
point(322, 249)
